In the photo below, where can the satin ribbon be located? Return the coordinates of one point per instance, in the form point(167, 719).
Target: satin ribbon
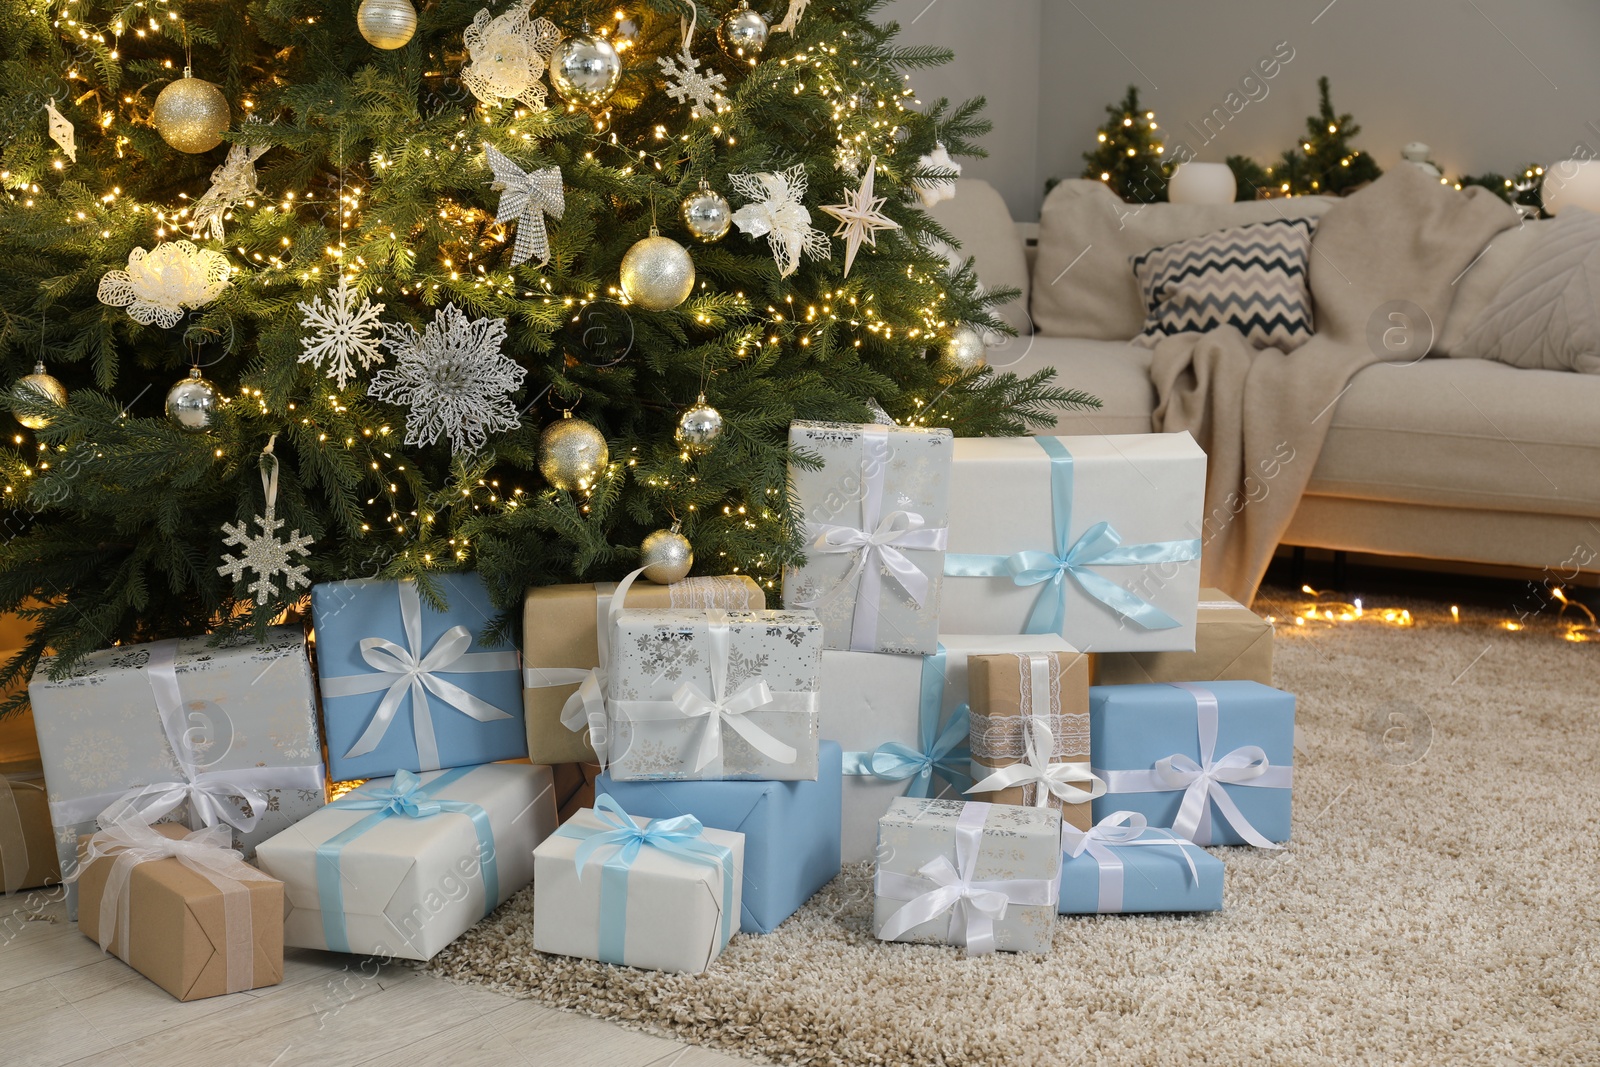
point(129, 841)
point(1202, 783)
point(876, 546)
point(719, 708)
point(408, 798)
point(408, 671)
point(1100, 546)
point(1048, 779)
point(942, 751)
point(1120, 829)
point(974, 905)
point(681, 837)
point(14, 859)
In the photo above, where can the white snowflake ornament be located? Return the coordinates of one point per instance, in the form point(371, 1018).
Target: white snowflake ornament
point(686, 82)
point(159, 284)
point(526, 197)
point(860, 217)
point(61, 131)
point(231, 184)
point(941, 186)
point(780, 216)
point(453, 378)
point(343, 333)
point(507, 56)
point(263, 553)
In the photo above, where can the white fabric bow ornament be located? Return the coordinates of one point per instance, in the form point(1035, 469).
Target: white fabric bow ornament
point(941, 186)
point(159, 284)
point(507, 56)
point(526, 197)
point(780, 216)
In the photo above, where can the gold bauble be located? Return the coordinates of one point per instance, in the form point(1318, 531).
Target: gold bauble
point(699, 428)
point(964, 351)
point(585, 69)
point(387, 24)
point(40, 385)
point(657, 273)
point(666, 556)
point(706, 214)
point(743, 34)
point(572, 453)
point(191, 115)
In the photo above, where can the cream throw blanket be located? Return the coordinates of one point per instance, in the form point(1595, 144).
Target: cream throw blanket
point(1262, 415)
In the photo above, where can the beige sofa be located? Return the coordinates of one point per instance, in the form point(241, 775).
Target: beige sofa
point(1461, 460)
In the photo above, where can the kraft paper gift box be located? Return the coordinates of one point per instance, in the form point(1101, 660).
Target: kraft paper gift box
point(1094, 538)
point(1030, 732)
point(211, 734)
point(791, 831)
point(698, 695)
point(1122, 864)
point(1213, 762)
point(875, 512)
point(1231, 643)
point(462, 707)
point(566, 640)
point(182, 909)
point(402, 866)
point(983, 876)
point(27, 843)
point(904, 722)
point(661, 894)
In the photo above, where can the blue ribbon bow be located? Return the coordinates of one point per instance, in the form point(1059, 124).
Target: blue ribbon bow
point(1100, 546)
point(942, 751)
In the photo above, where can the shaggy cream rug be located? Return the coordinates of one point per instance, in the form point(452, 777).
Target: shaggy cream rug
point(1438, 903)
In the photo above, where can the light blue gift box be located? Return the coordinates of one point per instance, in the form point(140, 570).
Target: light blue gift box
point(1149, 872)
point(1146, 743)
point(791, 830)
point(462, 708)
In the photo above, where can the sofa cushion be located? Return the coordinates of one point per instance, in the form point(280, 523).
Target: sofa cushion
point(979, 220)
point(1481, 283)
point(1116, 372)
point(1083, 283)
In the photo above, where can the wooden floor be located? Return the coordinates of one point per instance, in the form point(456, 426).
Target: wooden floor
point(65, 1003)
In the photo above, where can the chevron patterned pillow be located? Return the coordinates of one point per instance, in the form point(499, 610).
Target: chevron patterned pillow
point(1252, 278)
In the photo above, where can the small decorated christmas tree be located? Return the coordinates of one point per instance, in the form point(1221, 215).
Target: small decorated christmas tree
point(1325, 161)
point(1129, 155)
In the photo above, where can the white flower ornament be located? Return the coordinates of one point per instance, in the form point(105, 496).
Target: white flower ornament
point(159, 284)
point(508, 54)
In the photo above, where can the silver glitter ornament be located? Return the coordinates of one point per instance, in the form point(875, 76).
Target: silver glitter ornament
point(572, 453)
point(40, 385)
point(657, 273)
point(706, 214)
point(386, 24)
point(964, 351)
point(699, 428)
point(743, 34)
point(192, 404)
point(666, 556)
point(585, 69)
point(191, 115)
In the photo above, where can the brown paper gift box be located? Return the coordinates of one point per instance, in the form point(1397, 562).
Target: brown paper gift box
point(34, 863)
point(176, 936)
point(1232, 644)
point(560, 629)
point(999, 716)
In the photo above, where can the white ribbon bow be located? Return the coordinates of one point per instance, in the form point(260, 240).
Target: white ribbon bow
point(526, 197)
point(1120, 829)
point(1049, 779)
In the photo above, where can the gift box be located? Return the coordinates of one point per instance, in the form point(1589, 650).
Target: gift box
point(1030, 732)
point(1231, 643)
point(875, 512)
point(566, 640)
point(903, 722)
point(401, 867)
point(408, 687)
point(208, 733)
point(714, 694)
point(27, 844)
point(662, 894)
point(181, 908)
point(1093, 538)
point(983, 876)
point(1122, 864)
point(1213, 762)
point(791, 831)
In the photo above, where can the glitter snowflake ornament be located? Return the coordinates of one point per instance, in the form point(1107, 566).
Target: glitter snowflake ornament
point(780, 216)
point(686, 82)
point(526, 197)
point(231, 184)
point(860, 217)
point(264, 553)
point(453, 378)
point(343, 333)
point(507, 55)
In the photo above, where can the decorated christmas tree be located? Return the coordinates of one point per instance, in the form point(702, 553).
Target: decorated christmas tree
point(323, 293)
point(1325, 161)
point(1128, 153)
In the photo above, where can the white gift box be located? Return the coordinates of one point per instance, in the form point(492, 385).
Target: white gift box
point(394, 879)
point(875, 514)
point(714, 694)
point(1120, 574)
point(651, 907)
point(870, 700)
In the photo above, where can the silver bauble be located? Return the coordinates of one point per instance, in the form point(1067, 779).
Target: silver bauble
point(191, 115)
point(192, 404)
point(40, 385)
point(657, 273)
point(699, 428)
point(706, 214)
point(386, 24)
point(666, 556)
point(743, 34)
point(572, 453)
point(964, 351)
point(585, 69)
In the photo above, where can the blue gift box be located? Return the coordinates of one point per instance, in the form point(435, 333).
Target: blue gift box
point(463, 708)
point(1147, 744)
point(791, 830)
point(1153, 878)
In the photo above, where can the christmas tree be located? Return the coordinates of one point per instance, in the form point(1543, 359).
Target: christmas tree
point(1128, 155)
point(405, 263)
point(1325, 162)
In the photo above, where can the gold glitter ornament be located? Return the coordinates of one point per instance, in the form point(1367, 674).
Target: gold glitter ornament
point(657, 273)
point(572, 453)
point(40, 385)
point(666, 556)
point(191, 114)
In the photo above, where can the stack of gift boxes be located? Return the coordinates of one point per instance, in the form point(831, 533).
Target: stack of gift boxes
point(995, 678)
